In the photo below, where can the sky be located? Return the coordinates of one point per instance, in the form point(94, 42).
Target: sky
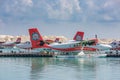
point(61, 17)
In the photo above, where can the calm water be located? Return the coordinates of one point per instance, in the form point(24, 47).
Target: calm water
point(59, 69)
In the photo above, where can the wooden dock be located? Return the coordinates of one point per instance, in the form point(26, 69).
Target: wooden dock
point(113, 55)
point(40, 55)
point(24, 55)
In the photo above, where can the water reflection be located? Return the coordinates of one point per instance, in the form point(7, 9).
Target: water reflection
point(46, 68)
point(59, 68)
point(39, 65)
point(14, 68)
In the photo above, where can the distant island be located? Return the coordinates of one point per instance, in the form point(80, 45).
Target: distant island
point(10, 38)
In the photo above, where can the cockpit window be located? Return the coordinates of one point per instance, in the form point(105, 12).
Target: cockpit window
point(27, 42)
point(114, 43)
point(119, 44)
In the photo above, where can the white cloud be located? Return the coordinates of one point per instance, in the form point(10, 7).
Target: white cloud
point(17, 6)
point(91, 3)
point(111, 3)
point(65, 9)
point(107, 4)
point(103, 10)
point(70, 5)
point(107, 17)
point(77, 10)
point(112, 9)
point(27, 2)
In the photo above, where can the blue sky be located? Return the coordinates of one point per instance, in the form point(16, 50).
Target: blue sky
point(61, 17)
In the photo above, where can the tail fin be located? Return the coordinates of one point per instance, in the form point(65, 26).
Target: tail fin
point(35, 38)
point(57, 40)
point(79, 36)
point(18, 40)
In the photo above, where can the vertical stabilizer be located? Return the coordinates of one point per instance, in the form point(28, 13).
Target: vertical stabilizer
point(36, 38)
point(79, 36)
point(57, 40)
point(18, 40)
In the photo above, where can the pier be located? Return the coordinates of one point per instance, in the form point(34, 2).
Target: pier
point(113, 55)
point(40, 55)
point(24, 55)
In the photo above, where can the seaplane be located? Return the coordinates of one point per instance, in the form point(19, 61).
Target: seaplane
point(71, 48)
point(115, 47)
point(28, 44)
point(11, 44)
point(24, 45)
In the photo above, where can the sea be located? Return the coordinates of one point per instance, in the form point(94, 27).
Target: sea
point(37, 68)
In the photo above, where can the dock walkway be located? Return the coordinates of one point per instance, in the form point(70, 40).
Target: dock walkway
point(113, 55)
point(40, 55)
point(24, 55)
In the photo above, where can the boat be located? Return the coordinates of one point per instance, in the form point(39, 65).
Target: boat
point(82, 54)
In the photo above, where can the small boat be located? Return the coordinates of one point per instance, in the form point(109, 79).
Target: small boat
point(95, 54)
point(82, 54)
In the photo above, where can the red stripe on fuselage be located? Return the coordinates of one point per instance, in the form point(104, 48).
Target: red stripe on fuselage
point(70, 49)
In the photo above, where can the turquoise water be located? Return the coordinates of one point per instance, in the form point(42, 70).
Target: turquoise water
point(59, 69)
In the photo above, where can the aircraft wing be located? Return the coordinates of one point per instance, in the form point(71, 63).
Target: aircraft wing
point(89, 42)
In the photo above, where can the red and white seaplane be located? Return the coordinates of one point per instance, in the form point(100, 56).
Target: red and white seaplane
point(11, 44)
point(72, 48)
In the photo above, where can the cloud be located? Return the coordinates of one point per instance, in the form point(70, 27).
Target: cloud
point(91, 4)
point(17, 6)
point(107, 18)
point(62, 9)
point(27, 2)
point(102, 10)
point(111, 8)
point(111, 3)
point(21, 14)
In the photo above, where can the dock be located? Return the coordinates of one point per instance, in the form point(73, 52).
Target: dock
point(113, 55)
point(40, 55)
point(24, 55)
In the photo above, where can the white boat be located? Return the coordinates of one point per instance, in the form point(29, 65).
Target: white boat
point(82, 55)
point(96, 55)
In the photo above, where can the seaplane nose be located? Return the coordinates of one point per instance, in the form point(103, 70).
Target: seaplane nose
point(105, 46)
point(18, 45)
point(108, 46)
